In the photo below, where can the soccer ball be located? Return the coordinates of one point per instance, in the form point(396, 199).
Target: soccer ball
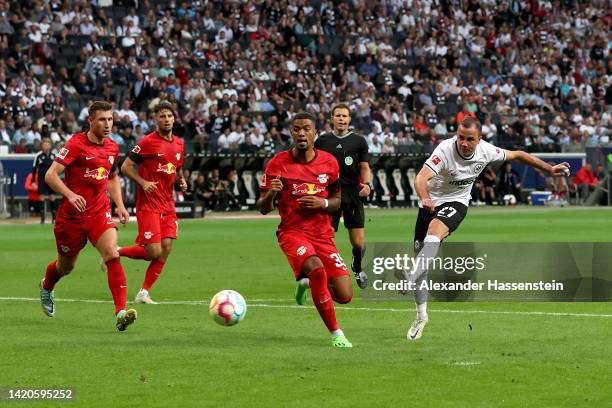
point(227, 308)
point(510, 199)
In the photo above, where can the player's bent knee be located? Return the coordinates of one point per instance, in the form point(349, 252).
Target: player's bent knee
point(154, 252)
point(343, 300)
point(313, 263)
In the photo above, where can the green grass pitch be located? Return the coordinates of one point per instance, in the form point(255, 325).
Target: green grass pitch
point(471, 354)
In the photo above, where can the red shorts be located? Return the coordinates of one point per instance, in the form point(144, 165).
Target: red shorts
point(298, 247)
point(153, 227)
point(71, 235)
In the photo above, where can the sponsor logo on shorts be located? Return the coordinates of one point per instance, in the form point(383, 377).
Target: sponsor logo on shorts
point(65, 249)
point(301, 250)
point(148, 235)
point(307, 189)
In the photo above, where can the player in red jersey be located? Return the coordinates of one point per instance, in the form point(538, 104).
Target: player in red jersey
point(89, 164)
point(160, 157)
point(304, 182)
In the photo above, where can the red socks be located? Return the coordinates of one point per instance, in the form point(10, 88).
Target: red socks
point(322, 298)
point(51, 276)
point(153, 271)
point(134, 252)
point(117, 284)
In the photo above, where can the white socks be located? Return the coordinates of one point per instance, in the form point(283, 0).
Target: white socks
point(421, 311)
point(338, 332)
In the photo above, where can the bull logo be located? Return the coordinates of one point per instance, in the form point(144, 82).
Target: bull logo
point(168, 168)
point(307, 189)
point(98, 174)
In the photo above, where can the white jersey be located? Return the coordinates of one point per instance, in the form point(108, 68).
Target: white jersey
point(455, 174)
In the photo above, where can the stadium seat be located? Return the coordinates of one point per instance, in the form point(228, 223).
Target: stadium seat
point(411, 174)
point(397, 179)
point(249, 184)
point(382, 178)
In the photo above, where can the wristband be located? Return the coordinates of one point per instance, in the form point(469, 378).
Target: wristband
point(369, 184)
point(326, 203)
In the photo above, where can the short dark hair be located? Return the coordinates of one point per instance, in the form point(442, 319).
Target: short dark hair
point(471, 122)
point(304, 115)
point(341, 106)
point(102, 106)
point(163, 105)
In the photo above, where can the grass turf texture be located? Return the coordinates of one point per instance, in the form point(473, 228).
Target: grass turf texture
point(280, 355)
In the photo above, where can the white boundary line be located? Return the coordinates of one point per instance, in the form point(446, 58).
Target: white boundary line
point(349, 308)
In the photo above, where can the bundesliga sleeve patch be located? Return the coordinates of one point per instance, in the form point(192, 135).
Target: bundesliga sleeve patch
point(136, 149)
point(63, 153)
point(435, 160)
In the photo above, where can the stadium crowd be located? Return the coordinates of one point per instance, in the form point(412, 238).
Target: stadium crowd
point(537, 73)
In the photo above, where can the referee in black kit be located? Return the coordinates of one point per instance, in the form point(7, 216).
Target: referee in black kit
point(351, 151)
point(42, 161)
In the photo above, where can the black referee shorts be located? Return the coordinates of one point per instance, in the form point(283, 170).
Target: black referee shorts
point(43, 188)
point(351, 209)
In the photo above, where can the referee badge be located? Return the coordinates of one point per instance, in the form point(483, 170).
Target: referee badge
point(348, 160)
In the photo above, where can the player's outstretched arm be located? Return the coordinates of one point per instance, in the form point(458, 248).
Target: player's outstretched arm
point(420, 185)
point(265, 204)
point(114, 190)
point(129, 169)
point(561, 169)
point(53, 180)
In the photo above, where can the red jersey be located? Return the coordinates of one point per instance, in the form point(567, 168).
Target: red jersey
point(158, 160)
point(88, 168)
point(301, 179)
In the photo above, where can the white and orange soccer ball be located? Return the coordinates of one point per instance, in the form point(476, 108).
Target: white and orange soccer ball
point(227, 308)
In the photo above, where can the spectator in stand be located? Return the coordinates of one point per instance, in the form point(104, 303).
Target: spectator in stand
point(585, 181)
point(509, 182)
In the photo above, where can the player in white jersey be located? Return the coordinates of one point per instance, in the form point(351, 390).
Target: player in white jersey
point(443, 186)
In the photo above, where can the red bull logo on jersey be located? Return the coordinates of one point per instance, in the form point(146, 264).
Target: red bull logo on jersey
point(307, 189)
point(99, 174)
point(167, 168)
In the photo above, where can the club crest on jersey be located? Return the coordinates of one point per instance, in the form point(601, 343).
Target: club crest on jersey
point(348, 160)
point(323, 178)
point(303, 189)
point(435, 160)
point(63, 153)
point(167, 168)
point(136, 149)
point(99, 173)
point(178, 156)
point(301, 250)
point(148, 235)
point(478, 166)
point(65, 249)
